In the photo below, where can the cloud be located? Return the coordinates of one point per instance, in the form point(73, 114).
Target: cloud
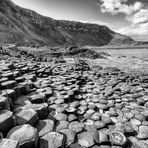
point(136, 14)
point(120, 6)
point(141, 17)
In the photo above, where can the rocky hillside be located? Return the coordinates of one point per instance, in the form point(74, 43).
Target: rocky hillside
point(19, 25)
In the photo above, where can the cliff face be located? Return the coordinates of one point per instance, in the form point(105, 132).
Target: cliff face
point(19, 25)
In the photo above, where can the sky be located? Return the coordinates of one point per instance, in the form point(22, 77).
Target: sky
point(128, 17)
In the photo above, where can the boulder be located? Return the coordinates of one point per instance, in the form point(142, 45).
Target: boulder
point(52, 140)
point(60, 116)
point(70, 136)
point(117, 138)
point(103, 137)
point(37, 98)
point(62, 125)
point(9, 84)
point(106, 119)
point(25, 134)
point(41, 109)
point(26, 117)
point(11, 93)
point(85, 139)
point(143, 132)
point(4, 103)
point(76, 126)
point(99, 124)
point(45, 126)
point(6, 120)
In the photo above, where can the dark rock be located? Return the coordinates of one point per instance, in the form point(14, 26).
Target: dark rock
point(26, 117)
point(6, 121)
point(37, 98)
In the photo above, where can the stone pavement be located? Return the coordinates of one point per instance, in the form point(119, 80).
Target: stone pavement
point(71, 104)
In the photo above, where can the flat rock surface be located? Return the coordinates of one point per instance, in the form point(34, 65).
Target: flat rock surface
point(52, 140)
point(9, 143)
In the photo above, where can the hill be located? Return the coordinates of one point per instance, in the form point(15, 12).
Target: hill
point(23, 26)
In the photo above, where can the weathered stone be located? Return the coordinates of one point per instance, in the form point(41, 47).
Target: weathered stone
point(103, 137)
point(117, 138)
point(106, 119)
point(70, 136)
point(37, 98)
point(25, 134)
point(88, 122)
point(95, 116)
point(136, 143)
point(139, 117)
point(59, 101)
point(93, 131)
point(6, 120)
point(45, 126)
point(60, 116)
point(26, 117)
point(99, 124)
point(129, 129)
point(143, 132)
point(75, 145)
point(85, 139)
point(101, 106)
point(9, 143)
point(129, 115)
point(4, 103)
point(52, 140)
point(71, 109)
point(11, 93)
point(114, 119)
point(135, 122)
point(71, 117)
point(95, 146)
point(105, 146)
point(62, 125)
point(41, 109)
point(76, 126)
point(120, 127)
point(9, 84)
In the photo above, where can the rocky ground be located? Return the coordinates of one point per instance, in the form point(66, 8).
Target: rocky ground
point(70, 103)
